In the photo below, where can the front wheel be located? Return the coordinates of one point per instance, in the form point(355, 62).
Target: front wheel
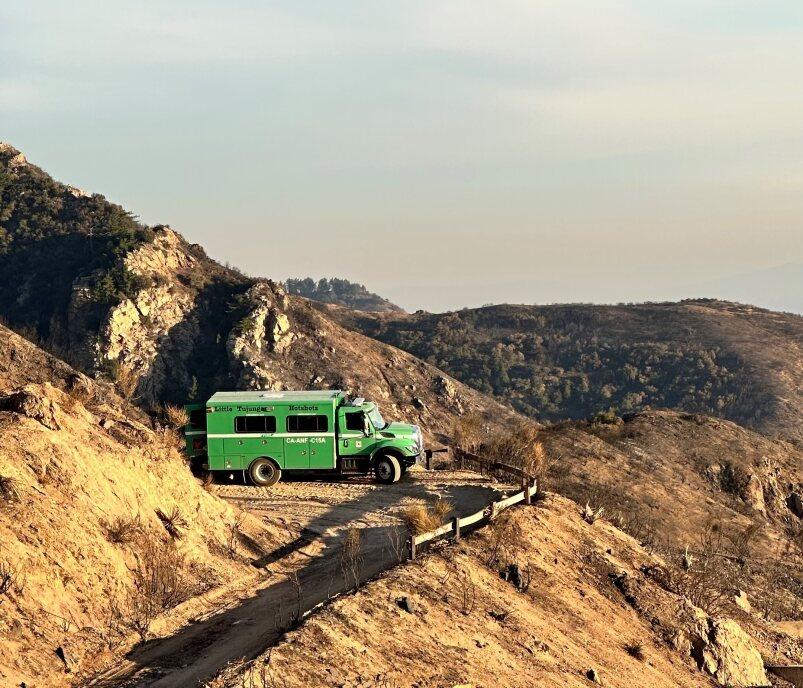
point(264, 472)
point(387, 469)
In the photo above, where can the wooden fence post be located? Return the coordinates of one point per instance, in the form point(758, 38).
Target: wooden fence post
point(411, 547)
point(456, 526)
point(526, 482)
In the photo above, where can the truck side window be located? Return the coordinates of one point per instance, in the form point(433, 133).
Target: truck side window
point(198, 418)
point(307, 424)
point(255, 424)
point(355, 421)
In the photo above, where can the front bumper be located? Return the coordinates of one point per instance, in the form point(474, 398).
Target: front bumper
point(413, 459)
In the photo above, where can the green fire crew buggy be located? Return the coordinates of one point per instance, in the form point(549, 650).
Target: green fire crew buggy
point(263, 434)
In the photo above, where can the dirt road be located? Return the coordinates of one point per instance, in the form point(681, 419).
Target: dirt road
point(307, 570)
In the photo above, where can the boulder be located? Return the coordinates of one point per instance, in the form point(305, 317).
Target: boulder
point(722, 649)
point(741, 601)
point(32, 401)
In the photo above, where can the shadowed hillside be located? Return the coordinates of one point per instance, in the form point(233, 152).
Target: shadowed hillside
point(556, 362)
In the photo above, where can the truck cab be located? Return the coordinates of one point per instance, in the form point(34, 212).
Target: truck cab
point(265, 434)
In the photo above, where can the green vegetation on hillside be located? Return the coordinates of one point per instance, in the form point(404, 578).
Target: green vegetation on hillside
point(54, 235)
point(558, 362)
point(340, 292)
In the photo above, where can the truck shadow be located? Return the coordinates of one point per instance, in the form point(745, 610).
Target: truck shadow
point(201, 649)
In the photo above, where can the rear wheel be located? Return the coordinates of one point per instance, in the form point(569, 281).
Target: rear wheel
point(387, 469)
point(264, 472)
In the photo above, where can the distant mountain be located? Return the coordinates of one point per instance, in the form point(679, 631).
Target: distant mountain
point(341, 292)
point(779, 288)
point(571, 361)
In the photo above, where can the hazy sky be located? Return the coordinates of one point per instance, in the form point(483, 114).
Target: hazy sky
point(444, 153)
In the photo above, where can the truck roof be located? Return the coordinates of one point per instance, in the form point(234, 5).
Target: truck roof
point(258, 396)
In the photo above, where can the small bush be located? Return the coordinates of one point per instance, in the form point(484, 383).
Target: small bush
point(636, 650)
point(710, 575)
point(9, 578)
point(506, 541)
point(9, 489)
point(467, 593)
point(609, 417)
point(733, 479)
point(159, 584)
point(176, 416)
point(173, 522)
point(122, 530)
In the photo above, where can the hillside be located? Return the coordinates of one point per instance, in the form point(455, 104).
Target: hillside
point(571, 361)
point(103, 528)
point(677, 480)
point(587, 606)
point(144, 308)
point(341, 292)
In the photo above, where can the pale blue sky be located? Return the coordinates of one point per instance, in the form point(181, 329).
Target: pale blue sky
point(444, 153)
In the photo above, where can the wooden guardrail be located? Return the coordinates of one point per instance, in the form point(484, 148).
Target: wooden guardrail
point(455, 527)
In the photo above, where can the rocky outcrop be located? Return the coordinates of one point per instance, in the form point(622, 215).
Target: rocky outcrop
point(447, 389)
point(262, 332)
point(34, 402)
point(135, 333)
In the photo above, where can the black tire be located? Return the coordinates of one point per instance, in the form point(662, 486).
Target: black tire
point(403, 469)
point(387, 469)
point(264, 472)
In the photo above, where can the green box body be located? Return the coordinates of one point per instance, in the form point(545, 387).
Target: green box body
point(312, 430)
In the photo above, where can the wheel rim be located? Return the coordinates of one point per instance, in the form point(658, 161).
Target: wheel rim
point(264, 472)
point(384, 469)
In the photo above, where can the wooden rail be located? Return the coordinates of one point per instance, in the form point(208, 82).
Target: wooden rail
point(456, 526)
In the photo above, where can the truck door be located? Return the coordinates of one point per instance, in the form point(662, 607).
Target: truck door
point(352, 439)
point(309, 442)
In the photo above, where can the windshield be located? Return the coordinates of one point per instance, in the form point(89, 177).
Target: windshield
point(376, 418)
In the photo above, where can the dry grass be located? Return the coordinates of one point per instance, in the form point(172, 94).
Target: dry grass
point(519, 446)
point(351, 556)
point(421, 517)
point(124, 377)
point(122, 530)
point(175, 416)
point(469, 432)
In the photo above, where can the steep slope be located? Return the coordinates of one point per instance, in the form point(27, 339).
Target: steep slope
point(737, 362)
point(341, 292)
point(585, 605)
point(678, 480)
point(103, 528)
point(165, 322)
